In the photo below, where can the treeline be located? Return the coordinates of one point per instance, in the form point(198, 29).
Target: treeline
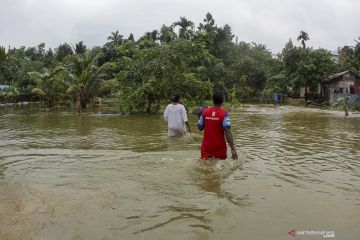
point(142, 74)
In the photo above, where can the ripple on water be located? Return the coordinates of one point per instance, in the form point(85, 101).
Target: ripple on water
point(64, 175)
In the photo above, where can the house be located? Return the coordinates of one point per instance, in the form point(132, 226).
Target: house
point(346, 82)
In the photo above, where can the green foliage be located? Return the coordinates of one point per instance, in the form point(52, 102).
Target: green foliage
point(115, 39)
point(80, 48)
point(2, 54)
point(9, 94)
point(84, 81)
point(62, 51)
point(167, 34)
point(314, 67)
point(357, 55)
point(347, 58)
point(131, 37)
point(182, 58)
point(277, 84)
point(149, 76)
point(185, 28)
point(303, 67)
point(50, 85)
point(356, 107)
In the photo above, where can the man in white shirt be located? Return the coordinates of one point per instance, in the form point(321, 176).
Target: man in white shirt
point(176, 116)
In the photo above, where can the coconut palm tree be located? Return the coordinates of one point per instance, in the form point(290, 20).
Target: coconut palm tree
point(84, 79)
point(303, 37)
point(50, 85)
point(115, 38)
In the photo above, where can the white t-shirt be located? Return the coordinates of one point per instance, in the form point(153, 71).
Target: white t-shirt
point(175, 115)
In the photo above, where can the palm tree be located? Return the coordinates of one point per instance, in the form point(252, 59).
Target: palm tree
point(115, 38)
point(84, 80)
point(303, 37)
point(50, 85)
point(186, 28)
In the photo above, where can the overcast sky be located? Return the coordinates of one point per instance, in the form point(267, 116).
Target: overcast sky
point(329, 23)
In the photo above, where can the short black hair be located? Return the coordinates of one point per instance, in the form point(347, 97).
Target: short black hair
point(175, 97)
point(218, 97)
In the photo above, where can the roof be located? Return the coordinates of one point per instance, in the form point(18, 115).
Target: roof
point(336, 75)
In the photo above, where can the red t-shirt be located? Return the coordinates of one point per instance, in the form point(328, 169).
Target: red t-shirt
point(214, 120)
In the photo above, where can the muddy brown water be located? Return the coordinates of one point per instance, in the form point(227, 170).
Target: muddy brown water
point(110, 176)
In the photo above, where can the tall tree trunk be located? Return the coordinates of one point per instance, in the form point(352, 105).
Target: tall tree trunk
point(149, 103)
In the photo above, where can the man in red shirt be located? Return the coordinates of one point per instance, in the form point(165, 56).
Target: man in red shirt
point(215, 122)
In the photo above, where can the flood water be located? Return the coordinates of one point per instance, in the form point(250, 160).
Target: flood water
point(108, 176)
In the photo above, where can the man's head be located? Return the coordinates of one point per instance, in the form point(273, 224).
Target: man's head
point(175, 98)
point(218, 98)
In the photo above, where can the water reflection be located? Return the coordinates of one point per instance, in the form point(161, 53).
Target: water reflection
point(211, 175)
point(2, 171)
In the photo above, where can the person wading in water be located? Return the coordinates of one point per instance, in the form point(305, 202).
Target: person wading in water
point(215, 122)
point(176, 116)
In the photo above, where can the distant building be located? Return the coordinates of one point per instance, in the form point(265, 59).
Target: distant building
point(3, 87)
point(346, 82)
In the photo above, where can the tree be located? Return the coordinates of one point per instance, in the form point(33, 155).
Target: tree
point(41, 50)
point(291, 56)
point(2, 54)
point(8, 67)
point(62, 51)
point(208, 31)
point(84, 83)
point(10, 94)
point(80, 48)
point(31, 53)
point(115, 39)
point(50, 85)
point(357, 54)
point(277, 84)
point(223, 45)
point(49, 59)
point(169, 67)
point(314, 67)
point(244, 92)
point(303, 37)
point(186, 28)
point(209, 24)
point(131, 37)
point(167, 34)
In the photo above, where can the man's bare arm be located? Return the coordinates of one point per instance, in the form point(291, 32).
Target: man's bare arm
point(230, 141)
